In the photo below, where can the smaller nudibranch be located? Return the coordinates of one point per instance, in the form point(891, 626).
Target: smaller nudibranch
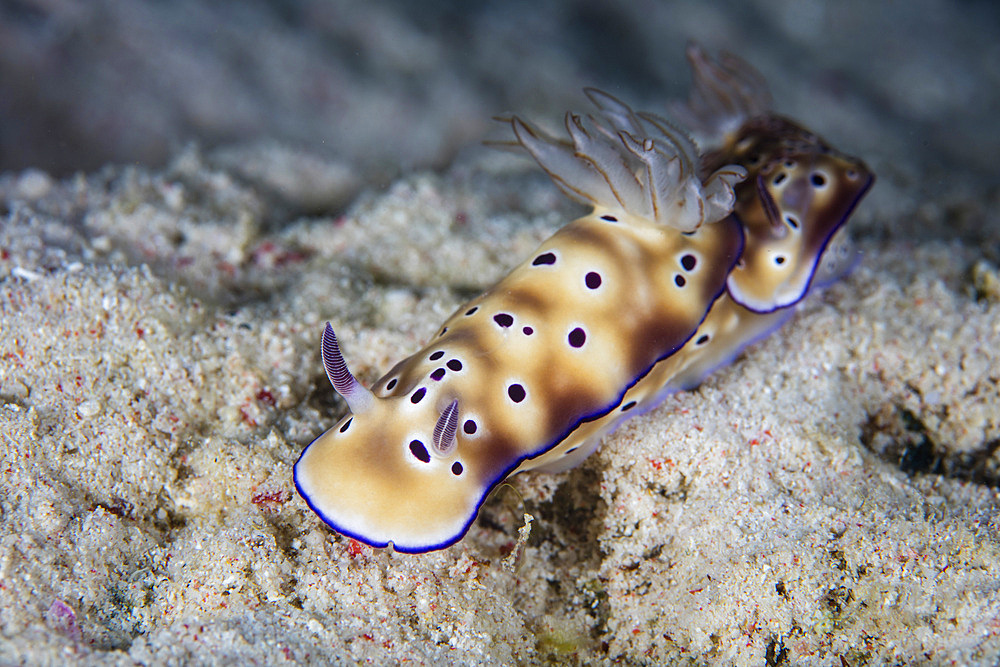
point(795, 177)
point(683, 261)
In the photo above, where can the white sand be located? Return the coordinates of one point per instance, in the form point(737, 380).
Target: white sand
point(148, 436)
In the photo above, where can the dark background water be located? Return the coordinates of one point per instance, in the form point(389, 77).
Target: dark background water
point(388, 86)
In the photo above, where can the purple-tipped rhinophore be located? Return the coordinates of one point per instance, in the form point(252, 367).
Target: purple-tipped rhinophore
point(357, 396)
point(444, 430)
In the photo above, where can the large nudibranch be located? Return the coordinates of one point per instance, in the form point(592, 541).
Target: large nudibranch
point(684, 260)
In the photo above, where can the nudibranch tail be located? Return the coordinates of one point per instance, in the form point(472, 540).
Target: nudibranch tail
point(636, 165)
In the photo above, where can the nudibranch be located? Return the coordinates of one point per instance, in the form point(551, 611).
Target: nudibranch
point(684, 260)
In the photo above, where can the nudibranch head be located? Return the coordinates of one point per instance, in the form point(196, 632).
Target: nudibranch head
point(379, 478)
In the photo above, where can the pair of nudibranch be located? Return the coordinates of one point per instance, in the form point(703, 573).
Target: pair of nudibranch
point(685, 259)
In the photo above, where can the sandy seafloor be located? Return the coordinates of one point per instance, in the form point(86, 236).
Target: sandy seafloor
point(830, 498)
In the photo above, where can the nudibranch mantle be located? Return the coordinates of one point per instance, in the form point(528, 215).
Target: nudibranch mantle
point(683, 261)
